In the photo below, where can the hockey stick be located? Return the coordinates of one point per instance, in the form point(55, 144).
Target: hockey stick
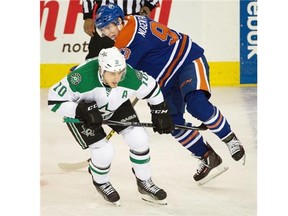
point(140, 124)
point(83, 164)
point(112, 131)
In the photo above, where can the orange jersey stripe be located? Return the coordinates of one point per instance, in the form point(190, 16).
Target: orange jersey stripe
point(172, 65)
point(202, 74)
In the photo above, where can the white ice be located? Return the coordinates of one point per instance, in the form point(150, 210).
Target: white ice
point(232, 194)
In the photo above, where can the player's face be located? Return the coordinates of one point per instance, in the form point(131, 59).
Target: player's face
point(112, 78)
point(111, 31)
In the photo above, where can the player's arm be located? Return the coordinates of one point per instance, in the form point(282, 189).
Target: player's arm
point(87, 10)
point(149, 89)
point(62, 100)
point(148, 7)
point(160, 116)
point(68, 103)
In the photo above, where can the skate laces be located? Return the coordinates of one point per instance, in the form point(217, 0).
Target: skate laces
point(107, 188)
point(150, 186)
point(234, 146)
point(202, 165)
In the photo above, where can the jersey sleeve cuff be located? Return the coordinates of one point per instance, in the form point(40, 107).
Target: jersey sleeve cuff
point(87, 16)
point(150, 6)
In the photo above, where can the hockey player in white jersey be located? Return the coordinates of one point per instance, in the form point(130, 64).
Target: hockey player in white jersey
point(100, 89)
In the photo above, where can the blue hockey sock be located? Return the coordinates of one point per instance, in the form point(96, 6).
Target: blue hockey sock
point(192, 140)
point(199, 107)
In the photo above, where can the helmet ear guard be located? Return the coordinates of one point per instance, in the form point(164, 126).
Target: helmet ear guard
point(107, 14)
point(112, 60)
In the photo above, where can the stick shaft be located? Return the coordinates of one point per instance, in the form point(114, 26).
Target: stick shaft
point(139, 124)
point(84, 164)
point(111, 133)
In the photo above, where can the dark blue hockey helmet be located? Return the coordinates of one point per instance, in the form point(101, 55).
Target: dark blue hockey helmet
point(107, 14)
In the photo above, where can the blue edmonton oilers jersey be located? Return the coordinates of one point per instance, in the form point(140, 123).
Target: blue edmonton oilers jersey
point(156, 49)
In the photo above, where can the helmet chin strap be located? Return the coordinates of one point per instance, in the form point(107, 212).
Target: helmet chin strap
point(104, 82)
point(101, 75)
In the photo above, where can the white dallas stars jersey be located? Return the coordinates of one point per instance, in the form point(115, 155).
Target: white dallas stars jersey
point(84, 83)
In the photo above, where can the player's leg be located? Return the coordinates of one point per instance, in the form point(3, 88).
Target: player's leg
point(139, 154)
point(196, 95)
point(192, 140)
point(101, 158)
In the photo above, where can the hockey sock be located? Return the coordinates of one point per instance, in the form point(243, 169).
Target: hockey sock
point(199, 107)
point(100, 175)
point(101, 158)
point(218, 124)
point(141, 164)
point(192, 140)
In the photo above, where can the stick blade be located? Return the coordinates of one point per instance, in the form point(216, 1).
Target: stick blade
point(73, 166)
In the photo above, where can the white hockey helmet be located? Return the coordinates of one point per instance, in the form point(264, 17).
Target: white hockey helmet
point(112, 60)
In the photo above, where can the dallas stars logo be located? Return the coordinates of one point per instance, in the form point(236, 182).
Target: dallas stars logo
point(105, 112)
point(87, 131)
point(75, 78)
point(104, 54)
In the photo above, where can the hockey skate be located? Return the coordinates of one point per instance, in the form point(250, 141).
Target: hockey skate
point(107, 191)
point(210, 167)
point(151, 192)
point(236, 150)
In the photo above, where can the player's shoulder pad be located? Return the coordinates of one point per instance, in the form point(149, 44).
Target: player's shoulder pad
point(136, 74)
point(84, 77)
point(133, 78)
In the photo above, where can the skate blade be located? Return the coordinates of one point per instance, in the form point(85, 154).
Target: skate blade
point(213, 174)
point(243, 159)
point(150, 199)
point(117, 203)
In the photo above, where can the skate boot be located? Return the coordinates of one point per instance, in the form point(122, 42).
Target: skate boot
point(107, 191)
point(151, 192)
point(210, 163)
point(236, 150)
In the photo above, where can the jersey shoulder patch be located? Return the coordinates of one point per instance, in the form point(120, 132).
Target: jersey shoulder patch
point(133, 79)
point(139, 74)
point(84, 78)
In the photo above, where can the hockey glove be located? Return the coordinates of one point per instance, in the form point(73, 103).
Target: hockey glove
point(89, 114)
point(161, 118)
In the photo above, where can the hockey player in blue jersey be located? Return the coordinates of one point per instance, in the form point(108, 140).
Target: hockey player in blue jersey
point(182, 71)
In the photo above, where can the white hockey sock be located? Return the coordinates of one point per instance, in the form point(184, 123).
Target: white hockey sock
point(101, 159)
point(141, 164)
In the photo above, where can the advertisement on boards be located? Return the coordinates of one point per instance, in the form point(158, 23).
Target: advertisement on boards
point(63, 39)
point(248, 41)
